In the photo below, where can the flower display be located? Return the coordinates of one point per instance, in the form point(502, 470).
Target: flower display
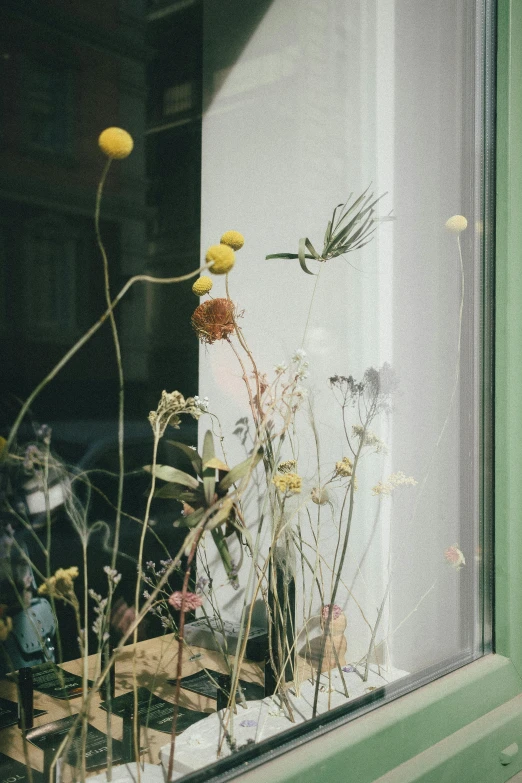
point(188, 603)
point(221, 259)
point(214, 320)
point(116, 143)
point(233, 239)
point(202, 286)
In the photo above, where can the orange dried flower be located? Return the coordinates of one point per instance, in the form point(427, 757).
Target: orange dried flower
point(214, 320)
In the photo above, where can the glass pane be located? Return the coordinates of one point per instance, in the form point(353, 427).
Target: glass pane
point(295, 247)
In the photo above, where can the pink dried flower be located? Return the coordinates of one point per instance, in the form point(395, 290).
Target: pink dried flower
point(191, 602)
point(336, 611)
point(454, 556)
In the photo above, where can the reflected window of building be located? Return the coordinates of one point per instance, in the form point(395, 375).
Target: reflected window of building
point(178, 99)
point(48, 107)
point(50, 284)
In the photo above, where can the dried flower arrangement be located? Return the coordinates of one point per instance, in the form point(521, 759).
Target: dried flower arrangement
point(276, 552)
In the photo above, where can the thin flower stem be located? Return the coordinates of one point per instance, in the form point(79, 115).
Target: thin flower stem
point(179, 666)
point(121, 410)
point(87, 336)
point(136, 728)
point(310, 307)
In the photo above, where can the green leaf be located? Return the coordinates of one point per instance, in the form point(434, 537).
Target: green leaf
point(192, 455)
point(285, 255)
point(302, 256)
point(312, 249)
point(224, 552)
point(238, 471)
point(184, 495)
point(173, 475)
point(209, 474)
point(328, 232)
point(220, 516)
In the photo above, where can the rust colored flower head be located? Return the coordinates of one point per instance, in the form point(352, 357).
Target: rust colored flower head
point(214, 320)
point(116, 143)
point(191, 602)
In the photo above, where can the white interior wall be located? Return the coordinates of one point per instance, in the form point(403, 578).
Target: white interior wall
point(306, 102)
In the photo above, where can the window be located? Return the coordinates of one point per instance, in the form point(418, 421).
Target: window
point(50, 284)
point(331, 480)
point(48, 108)
point(177, 99)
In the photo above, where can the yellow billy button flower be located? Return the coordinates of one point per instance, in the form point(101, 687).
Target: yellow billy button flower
point(202, 286)
point(221, 259)
point(233, 239)
point(116, 143)
point(456, 224)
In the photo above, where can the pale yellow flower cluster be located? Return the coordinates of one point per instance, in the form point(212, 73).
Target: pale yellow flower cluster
point(288, 466)
point(344, 467)
point(288, 483)
point(398, 479)
point(61, 585)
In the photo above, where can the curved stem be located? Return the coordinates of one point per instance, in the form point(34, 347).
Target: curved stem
point(87, 336)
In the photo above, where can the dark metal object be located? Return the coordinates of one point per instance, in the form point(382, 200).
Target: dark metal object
point(25, 698)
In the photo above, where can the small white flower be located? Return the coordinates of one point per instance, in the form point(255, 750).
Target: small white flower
point(301, 392)
point(280, 368)
point(299, 355)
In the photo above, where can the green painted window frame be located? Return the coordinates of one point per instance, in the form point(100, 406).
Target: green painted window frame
point(456, 727)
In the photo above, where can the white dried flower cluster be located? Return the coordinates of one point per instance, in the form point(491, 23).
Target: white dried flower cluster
point(170, 406)
point(299, 359)
point(99, 610)
point(370, 439)
point(393, 481)
point(112, 575)
point(202, 403)
point(280, 368)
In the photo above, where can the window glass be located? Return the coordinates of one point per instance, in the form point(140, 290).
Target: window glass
point(244, 359)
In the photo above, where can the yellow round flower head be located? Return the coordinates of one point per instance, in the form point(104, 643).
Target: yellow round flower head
point(233, 239)
point(221, 258)
point(116, 143)
point(202, 285)
point(456, 224)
